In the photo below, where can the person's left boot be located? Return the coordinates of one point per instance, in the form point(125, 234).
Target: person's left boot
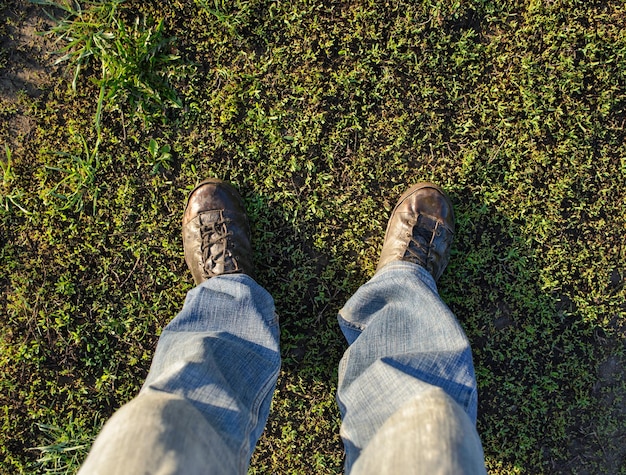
point(216, 232)
point(420, 229)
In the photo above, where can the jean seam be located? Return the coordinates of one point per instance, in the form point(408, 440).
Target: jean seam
point(253, 421)
point(274, 321)
point(348, 323)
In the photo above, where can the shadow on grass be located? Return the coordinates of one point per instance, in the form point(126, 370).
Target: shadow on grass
point(303, 425)
point(550, 389)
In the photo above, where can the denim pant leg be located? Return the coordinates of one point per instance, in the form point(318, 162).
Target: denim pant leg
point(207, 396)
point(407, 377)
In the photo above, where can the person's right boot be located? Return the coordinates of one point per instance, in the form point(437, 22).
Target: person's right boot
point(420, 229)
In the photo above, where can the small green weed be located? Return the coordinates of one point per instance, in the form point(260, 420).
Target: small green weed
point(8, 196)
point(219, 10)
point(79, 183)
point(84, 30)
point(160, 157)
point(133, 60)
point(66, 448)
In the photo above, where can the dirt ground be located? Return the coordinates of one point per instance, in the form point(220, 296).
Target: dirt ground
point(24, 68)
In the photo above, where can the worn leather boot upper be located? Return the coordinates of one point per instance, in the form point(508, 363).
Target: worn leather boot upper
point(216, 233)
point(420, 229)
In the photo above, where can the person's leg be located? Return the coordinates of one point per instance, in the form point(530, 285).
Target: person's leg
point(207, 396)
point(407, 390)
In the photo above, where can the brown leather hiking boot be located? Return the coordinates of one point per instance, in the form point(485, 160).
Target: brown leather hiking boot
point(216, 233)
point(420, 229)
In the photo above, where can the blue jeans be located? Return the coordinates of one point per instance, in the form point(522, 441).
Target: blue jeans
point(407, 391)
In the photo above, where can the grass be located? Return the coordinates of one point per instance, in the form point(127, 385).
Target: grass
point(66, 447)
point(134, 61)
point(321, 113)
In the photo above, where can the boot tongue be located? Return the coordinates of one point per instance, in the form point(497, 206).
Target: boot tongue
point(424, 228)
point(211, 216)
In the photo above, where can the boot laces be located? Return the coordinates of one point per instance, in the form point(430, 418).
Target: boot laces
point(421, 239)
point(216, 248)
